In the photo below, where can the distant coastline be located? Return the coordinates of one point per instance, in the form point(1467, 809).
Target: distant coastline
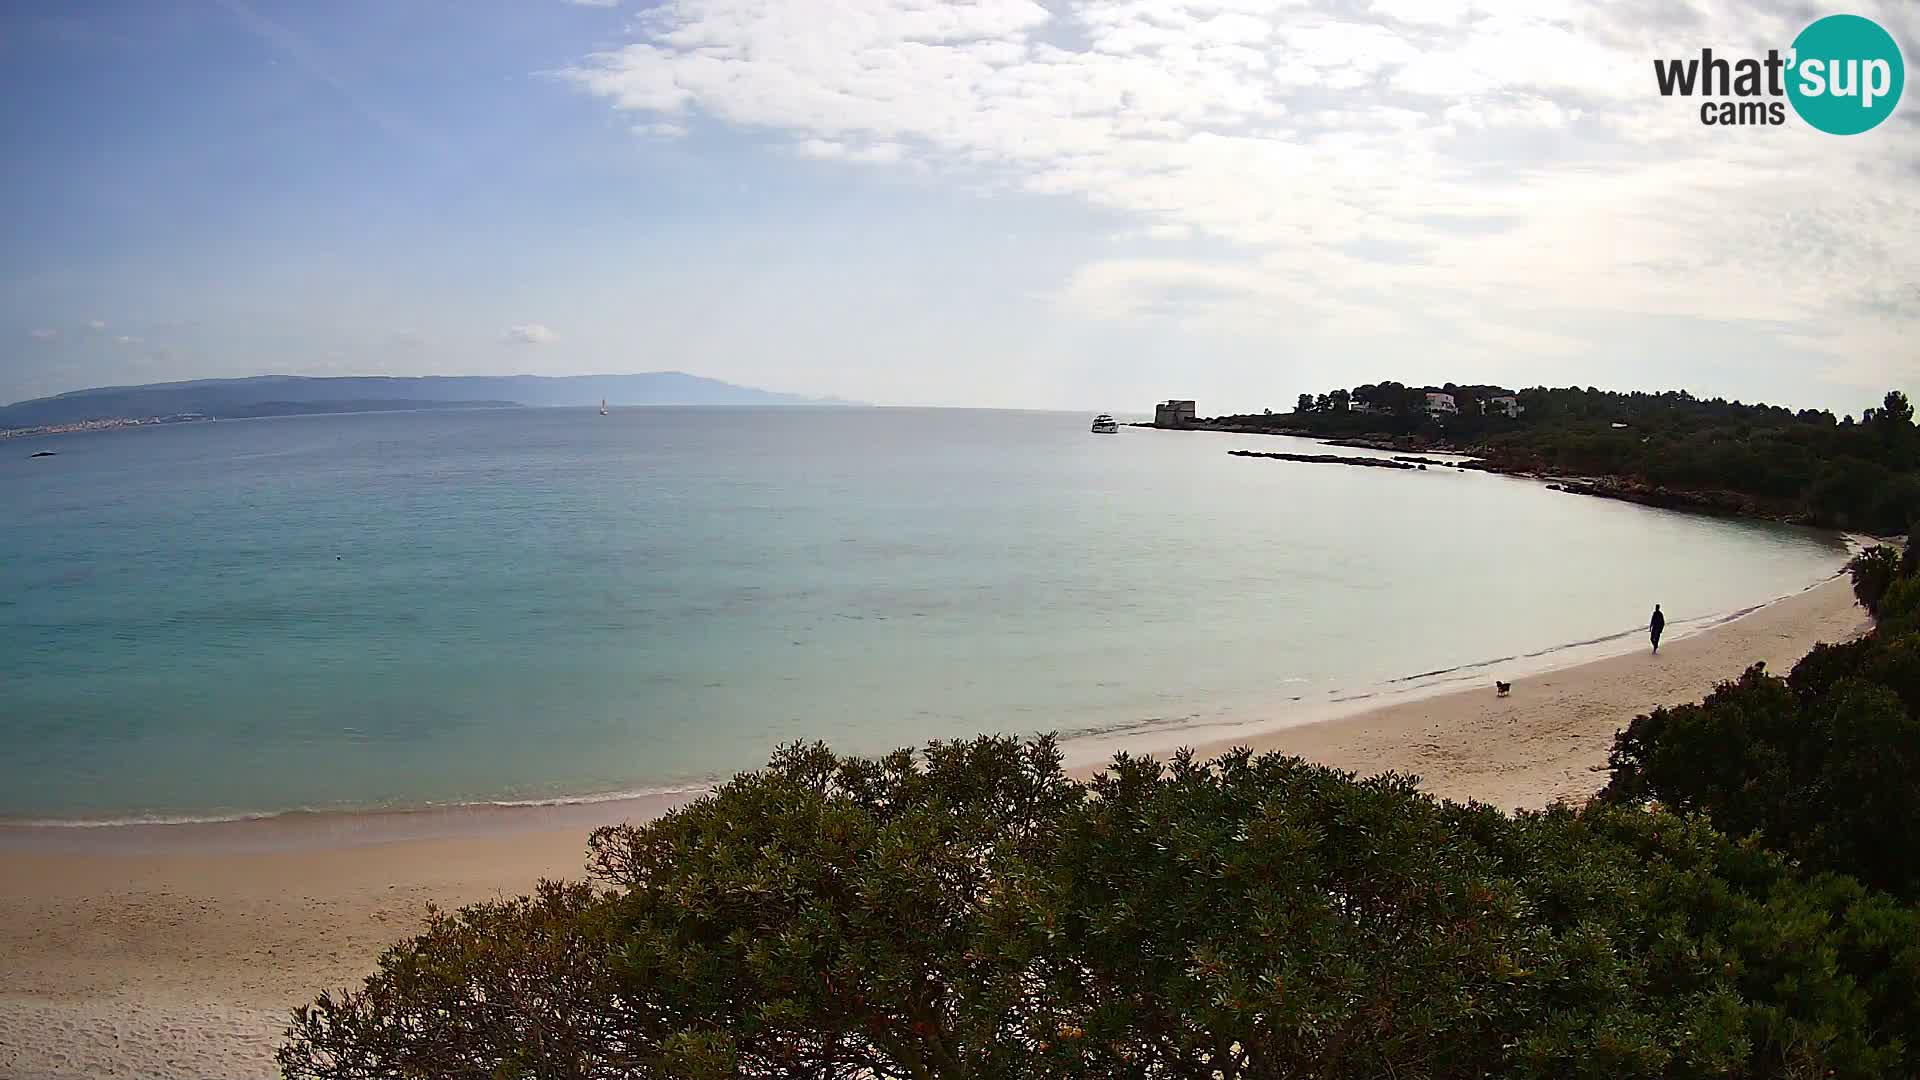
point(1669, 450)
point(110, 407)
point(260, 411)
point(101, 425)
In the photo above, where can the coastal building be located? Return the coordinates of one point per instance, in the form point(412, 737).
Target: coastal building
point(1505, 404)
point(1441, 402)
point(1173, 413)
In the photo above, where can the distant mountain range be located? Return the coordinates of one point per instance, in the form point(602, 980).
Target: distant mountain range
point(282, 395)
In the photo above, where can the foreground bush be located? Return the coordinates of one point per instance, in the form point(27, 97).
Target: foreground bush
point(1823, 765)
point(971, 912)
point(1900, 608)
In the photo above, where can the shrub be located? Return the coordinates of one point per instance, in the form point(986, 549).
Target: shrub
point(1873, 571)
point(1820, 765)
point(969, 911)
point(1733, 756)
point(1900, 606)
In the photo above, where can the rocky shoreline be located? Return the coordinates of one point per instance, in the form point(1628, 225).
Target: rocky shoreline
point(1329, 459)
point(1718, 503)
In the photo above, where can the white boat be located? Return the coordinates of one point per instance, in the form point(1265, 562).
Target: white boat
point(1105, 425)
point(603, 406)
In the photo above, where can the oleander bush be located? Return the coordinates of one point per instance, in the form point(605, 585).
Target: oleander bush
point(970, 911)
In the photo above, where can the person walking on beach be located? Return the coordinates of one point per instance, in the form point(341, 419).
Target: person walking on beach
point(1658, 624)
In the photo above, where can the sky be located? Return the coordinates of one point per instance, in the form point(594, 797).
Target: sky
point(1078, 204)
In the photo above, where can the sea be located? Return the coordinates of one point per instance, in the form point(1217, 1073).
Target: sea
point(405, 610)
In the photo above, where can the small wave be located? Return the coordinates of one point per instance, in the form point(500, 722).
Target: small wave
point(1584, 642)
point(303, 812)
point(1457, 667)
point(1130, 727)
point(147, 819)
point(602, 797)
point(1722, 620)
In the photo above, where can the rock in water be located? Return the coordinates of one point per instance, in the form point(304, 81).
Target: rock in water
point(1327, 459)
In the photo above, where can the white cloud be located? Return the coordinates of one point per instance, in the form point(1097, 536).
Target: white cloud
point(529, 334)
point(1394, 163)
point(44, 333)
point(125, 339)
point(827, 149)
point(96, 325)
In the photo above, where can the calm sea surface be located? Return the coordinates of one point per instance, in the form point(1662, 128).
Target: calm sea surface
point(410, 609)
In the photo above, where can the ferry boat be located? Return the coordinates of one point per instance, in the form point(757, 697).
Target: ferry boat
point(1105, 425)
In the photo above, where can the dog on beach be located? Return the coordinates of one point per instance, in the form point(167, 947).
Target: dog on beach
point(1500, 689)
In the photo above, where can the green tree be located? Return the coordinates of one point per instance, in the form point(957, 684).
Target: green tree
point(1896, 411)
point(1873, 571)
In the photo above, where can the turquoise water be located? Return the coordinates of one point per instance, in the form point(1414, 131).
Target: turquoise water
point(411, 609)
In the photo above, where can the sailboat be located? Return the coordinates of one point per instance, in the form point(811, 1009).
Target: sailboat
point(603, 406)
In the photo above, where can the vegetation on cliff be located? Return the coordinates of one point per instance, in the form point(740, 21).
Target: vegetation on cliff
point(1806, 465)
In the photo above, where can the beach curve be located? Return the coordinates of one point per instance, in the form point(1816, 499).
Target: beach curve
point(126, 949)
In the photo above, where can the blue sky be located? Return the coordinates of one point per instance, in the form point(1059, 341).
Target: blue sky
point(1088, 205)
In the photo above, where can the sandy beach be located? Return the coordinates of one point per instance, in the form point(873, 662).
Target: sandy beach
point(177, 951)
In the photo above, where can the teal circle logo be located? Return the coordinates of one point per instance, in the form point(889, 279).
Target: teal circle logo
point(1846, 74)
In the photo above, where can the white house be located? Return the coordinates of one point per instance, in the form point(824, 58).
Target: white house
point(1506, 403)
point(1438, 402)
